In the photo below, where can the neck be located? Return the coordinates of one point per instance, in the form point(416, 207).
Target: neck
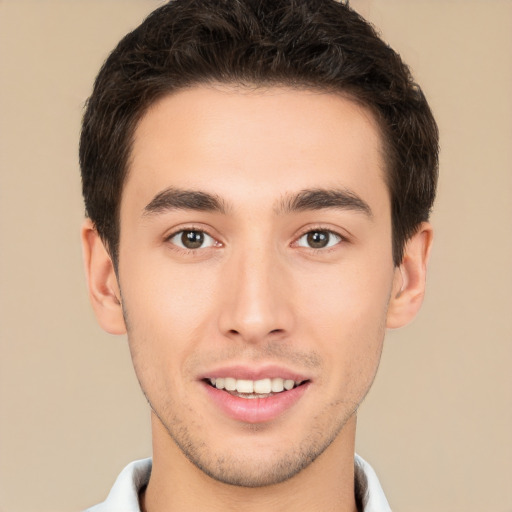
point(176, 484)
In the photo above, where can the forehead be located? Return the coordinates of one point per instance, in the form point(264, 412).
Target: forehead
point(266, 141)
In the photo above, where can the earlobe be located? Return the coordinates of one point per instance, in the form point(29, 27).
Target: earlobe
point(104, 292)
point(409, 281)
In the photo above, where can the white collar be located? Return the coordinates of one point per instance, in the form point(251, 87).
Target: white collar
point(124, 495)
point(374, 499)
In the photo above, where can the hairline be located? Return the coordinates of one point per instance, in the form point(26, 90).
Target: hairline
point(385, 148)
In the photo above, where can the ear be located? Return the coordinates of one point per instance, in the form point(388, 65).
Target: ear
point(104, 291)
point(409, 280)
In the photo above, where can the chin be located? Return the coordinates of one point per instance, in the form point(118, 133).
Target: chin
point(253, 464)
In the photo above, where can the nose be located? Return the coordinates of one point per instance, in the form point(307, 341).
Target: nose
point(258, 299)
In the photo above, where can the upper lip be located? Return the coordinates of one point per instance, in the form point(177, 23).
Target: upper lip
point(252, 372)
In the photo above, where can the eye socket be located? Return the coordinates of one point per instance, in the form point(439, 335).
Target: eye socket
point(319, 239)
point(192, 239)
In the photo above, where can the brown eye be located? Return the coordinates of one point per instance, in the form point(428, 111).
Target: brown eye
point(319, 239)
point(192, 239)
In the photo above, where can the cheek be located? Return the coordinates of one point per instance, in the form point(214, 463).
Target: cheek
point(346, 316)
point(167, 311)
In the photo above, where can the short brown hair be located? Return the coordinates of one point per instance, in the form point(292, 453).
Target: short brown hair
point(320, 44)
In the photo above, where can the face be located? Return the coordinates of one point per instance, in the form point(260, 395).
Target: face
point(255, 272)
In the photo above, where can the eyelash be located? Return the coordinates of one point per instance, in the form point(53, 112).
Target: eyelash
point(340, 238)
point(191, 230)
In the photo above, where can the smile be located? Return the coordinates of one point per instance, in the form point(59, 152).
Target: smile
point(258, 400)
point(254, 388)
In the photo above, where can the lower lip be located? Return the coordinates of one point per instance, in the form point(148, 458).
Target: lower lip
point(255, 410)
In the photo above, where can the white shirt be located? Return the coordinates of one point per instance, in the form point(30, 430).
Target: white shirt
point(124, 495)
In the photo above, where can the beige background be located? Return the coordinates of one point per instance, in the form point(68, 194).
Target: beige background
point(437, 425)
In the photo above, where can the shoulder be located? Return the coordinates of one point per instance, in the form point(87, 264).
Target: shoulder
point(124, 495)
point(368, 489)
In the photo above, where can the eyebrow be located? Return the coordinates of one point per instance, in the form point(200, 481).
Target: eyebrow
point(180, 199)
point(320, 199)
point(307, 199)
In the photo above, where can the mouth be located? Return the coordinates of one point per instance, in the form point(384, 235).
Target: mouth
point(250, 389)
point(258, 400)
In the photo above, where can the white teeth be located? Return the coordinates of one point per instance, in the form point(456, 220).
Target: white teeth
point(244, 386)
point(263, 386)
point(256, 387)
point(277, 385)
point(288, 384)
point(230, 384)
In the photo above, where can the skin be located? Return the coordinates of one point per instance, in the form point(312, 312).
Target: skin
point(255, 293)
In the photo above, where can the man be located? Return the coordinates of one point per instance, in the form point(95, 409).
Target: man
point(258, 177)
